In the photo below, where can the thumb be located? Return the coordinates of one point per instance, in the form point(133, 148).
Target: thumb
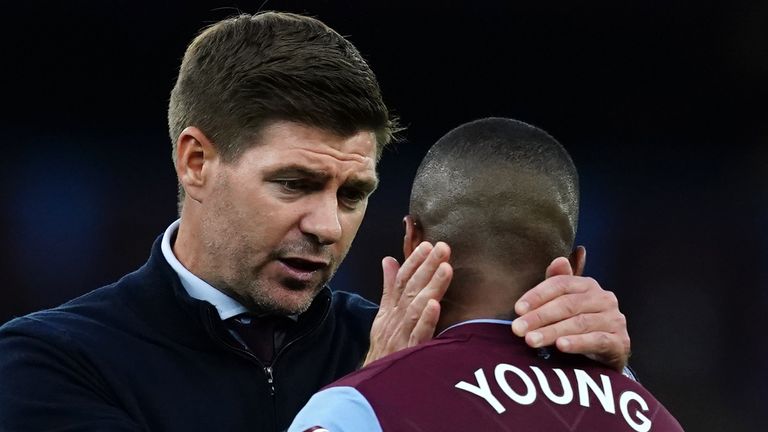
point(560, 266)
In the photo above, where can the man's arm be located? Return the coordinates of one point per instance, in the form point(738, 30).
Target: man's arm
point(572, 312)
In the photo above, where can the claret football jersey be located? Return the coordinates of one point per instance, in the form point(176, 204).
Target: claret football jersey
point(478, 376)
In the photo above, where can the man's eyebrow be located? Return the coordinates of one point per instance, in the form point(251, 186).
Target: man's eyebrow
point(365, 184)
point(298, 171)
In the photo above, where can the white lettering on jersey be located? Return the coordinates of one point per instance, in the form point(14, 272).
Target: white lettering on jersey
point(567, 396)
point(645, 423)
point(584, 385)
point(524, 399)
point(605, 396)
point(483, 390)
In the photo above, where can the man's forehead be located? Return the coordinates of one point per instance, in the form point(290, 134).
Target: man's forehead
point(351, 154)
point(360, 141)
point(295, 146)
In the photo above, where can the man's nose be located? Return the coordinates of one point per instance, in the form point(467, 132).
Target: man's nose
point(322, 220)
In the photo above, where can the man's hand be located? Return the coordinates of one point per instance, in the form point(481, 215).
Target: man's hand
point(410, 306)
point(576, 315)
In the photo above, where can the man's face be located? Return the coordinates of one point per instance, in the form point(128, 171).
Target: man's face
point(282, 217)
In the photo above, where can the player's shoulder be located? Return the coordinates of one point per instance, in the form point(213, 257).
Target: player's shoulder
point(401, 364)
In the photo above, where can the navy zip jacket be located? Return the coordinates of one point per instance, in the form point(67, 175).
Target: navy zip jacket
point(141, 354)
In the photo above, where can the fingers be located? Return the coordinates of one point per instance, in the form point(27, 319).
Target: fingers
point(571, 311)
point(612, 349)
point(410, 266)
point(415, 311)
point(577, 316)
point(389, 268)
point(409, 309)
point(425, 327)
point(560, 266)
point(581, 324)
point(419, 280)
point(553, 288)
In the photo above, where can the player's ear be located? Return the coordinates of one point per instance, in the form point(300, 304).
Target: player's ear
point(196, 158)
point(578, 259)
point(414, 235)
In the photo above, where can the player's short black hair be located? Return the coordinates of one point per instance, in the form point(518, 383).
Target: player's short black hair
point(498, 189)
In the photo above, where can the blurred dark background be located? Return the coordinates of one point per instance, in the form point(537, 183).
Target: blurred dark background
point(661, 104)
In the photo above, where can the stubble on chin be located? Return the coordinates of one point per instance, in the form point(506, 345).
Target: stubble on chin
point(267, 301)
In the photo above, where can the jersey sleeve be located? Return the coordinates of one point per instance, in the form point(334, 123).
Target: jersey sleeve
point(629, 373)
point(336, 409)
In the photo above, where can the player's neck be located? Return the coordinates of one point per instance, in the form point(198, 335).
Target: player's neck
point(482, 293)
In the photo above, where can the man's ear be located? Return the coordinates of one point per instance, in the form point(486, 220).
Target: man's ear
point(578, 259)
point(195, 157)
point(414, 235)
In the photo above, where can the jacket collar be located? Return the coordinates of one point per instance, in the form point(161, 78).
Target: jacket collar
point(158, 296)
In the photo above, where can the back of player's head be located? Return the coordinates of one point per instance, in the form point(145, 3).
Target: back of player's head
point(498, 191)
point(242, 73)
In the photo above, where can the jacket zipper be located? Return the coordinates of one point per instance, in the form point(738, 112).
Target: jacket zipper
point(267, 368)
point(270, 380)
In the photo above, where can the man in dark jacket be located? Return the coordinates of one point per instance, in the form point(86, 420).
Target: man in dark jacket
point(277, 124)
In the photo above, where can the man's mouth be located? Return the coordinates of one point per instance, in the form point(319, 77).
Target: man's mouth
point(303, 265)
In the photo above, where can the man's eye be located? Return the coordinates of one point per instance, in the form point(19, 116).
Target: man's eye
point(292, 185)
point(352, 197)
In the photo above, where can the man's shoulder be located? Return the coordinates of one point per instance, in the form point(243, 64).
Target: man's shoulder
point(92, 312)
point(353, 307)
point(86, 310)
point(349, 300)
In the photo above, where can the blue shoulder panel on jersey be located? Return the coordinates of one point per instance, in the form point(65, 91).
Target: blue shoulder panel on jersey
point(337, 409)
point(629, 373)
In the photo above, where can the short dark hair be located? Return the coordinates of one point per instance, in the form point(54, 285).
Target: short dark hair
point(498, 188)
point(242, 73)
